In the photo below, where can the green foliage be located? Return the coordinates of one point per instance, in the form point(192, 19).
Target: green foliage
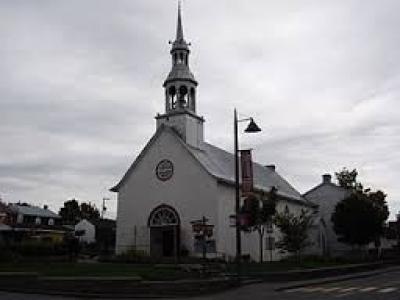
point(294, 229)
point(71, 213)
point(260, 211)
point(360, 218)
point(348, 179)
point(89, 211)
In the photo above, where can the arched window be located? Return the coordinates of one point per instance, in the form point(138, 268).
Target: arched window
point(183, 95)
point(172, 94)
point(193, 99)
point(163, 216)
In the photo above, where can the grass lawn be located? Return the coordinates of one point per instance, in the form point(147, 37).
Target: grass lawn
point(146, 272)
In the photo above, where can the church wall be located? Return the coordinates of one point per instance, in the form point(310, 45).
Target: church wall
point(226, 245)
point(191, 191)
point(250, 240)
point(189, 127)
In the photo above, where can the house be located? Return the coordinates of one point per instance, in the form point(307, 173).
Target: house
point(85, 231)
point(31, 222)
point(5, 222)
point(101, 231)
point(326, 195)
point(179, 178)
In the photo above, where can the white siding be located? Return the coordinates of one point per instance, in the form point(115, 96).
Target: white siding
point(327, 195)
point(191, 192)
point(90, 231)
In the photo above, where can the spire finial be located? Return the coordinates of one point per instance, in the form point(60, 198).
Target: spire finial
point(179, 28)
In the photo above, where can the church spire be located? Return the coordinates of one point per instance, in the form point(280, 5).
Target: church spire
point(179, 42)
point(180, 93)
point(179, 28)
point(180, 85)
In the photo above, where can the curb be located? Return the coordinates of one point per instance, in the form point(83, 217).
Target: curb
point(88, 287)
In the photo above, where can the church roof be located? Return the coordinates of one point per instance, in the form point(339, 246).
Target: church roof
point(220, 164)
point(180, 72)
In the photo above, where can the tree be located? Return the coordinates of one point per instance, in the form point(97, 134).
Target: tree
point(294, 230)
point(348, 179)
point(260, 211)
point(360, 218)
point(89, 211)
point(71, 213)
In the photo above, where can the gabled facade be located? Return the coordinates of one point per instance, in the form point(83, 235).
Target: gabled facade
point(179, 178)
point(326, 195)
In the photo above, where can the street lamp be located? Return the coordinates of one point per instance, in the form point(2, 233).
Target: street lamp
point(251, 128)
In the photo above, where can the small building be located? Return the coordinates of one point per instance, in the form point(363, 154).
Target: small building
point(101, 232)
point(85, 231)
point(326, 195)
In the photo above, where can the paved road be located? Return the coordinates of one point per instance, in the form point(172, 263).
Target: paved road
point(383, 286)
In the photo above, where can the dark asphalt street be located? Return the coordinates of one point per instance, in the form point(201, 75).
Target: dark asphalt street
point(385, 286)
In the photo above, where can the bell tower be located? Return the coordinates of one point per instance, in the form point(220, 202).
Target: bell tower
point(180, 93)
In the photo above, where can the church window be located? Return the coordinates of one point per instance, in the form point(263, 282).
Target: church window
point(163, 216)
point(183, 94)
point(183, 90)
point(193, 99)
point(172, 94)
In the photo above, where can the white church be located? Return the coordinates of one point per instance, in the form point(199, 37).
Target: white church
point(178, 177)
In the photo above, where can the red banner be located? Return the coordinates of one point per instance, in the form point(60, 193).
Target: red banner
point(247, 172)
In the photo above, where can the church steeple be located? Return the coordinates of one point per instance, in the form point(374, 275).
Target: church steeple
point(180, 85)
point(179, 28)
point(180, 93)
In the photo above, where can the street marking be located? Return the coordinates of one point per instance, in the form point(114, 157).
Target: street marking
point(294, 290)
point(312, 289)
point(341, 291)
point(349, 289)
point(368, 289)
point(387, 290)
point(332, 289)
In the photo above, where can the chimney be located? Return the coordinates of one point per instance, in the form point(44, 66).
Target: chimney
point(271, 167)
point(326, 178)
point(45, 206)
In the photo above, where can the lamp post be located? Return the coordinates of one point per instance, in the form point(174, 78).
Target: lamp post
point(252, 127)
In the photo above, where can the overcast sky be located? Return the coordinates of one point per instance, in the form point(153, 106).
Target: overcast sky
point(81, 82)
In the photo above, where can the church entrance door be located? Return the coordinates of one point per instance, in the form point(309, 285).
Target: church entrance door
point(164, 232)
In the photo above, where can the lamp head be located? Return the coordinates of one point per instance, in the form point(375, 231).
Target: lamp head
point(252, 127)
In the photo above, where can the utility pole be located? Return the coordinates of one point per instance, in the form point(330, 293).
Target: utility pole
point(103, 208)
